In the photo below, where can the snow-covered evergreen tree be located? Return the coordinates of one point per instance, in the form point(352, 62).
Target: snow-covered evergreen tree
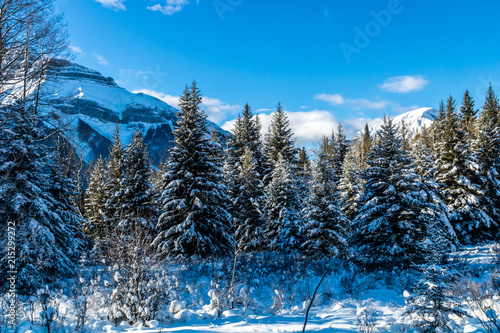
point(487, 152)
point(283, 222)
point(433, 302)
point(460, 175)
point(340, 149)
point(303, 173)
point(114, 186)
point(138, 205)
point(398, 223)
point(95, 200)
point(246, 207)
point(194, 218)
point(245, 167)
point(36, 198)
point(279, 139)
point(468, 116)
point(326, 227)
point(350, 186)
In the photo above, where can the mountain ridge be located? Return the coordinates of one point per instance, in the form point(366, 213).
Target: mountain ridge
point(415, 121)
point(93, 105)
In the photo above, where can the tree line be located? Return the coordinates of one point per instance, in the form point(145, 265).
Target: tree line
point(390, 200)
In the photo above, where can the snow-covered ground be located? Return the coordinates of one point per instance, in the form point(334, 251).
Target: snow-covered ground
point(271, 295)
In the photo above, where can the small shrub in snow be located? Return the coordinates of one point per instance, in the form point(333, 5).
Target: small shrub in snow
point(433, 306)
point(480, 299)
point(367, 320)
point(220, 295)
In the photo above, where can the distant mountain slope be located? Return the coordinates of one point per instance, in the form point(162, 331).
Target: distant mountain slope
point(93, 104)
point(414, 120)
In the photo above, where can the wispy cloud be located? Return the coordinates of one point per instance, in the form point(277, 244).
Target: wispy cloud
point(171, 6)
point(75, 49)
point(360, 103)
point(113, 4)
point(334, 99)
point(363, 103)
point(404, 84)
point(100, 59)
point(217, 110)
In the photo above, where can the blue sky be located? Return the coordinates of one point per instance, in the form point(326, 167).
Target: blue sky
point(326, 61)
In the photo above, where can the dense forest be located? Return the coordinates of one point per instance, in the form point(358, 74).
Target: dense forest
point(385, 201)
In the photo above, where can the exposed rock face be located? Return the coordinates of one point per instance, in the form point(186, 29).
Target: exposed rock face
point(93, 105)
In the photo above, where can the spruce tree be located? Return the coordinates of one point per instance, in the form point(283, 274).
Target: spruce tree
point(468, 116)
point(279, 139)
point(247, 213)
point(282, 229)
point(433, 302)
point(36, 201)
point(245, 168)
point(194, 219)
point(326, 226)
point(114, 187)
point(95, 200)
point(138, 205)
point(303, 172)
point(366, 142)
point(350, 186)
point(340, 148)
point(397, 220)
point(458, 172)
point(487, 152)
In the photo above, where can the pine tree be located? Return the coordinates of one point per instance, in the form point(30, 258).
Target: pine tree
point(405, 136)
point(281, 216)
point(247, 215)
point(366, 142)
point(114, 187)
point(351, 185)
point(459, 174)
point(138, 205)
point(303, 172)
point(398, 222)
point(95, 200)
point(326, 226)
point(36, 203)
point(194, 218)
point(433, 303)
point(244, 168)
point(487, 152)
point(468, 116)
point(279, 139)
point(436, 130)
point(340, 148)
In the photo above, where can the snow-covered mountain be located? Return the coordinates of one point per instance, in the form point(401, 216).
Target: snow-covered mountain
point(414, 120)
point(93, 105)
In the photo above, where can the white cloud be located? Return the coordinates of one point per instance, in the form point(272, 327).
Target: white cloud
point(169, 99)
point(404, 84)
point(217, 110)
point(171, 7)
point(354, 125)
point(360, 103)
point(113, 4)
point(334, 99)
point(75, 49)
point(308, 127)
point(100, 59)
point(363, 103)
